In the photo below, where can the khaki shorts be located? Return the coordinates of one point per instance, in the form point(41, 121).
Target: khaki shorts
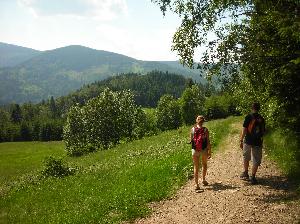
point(256, 153)
point(197, 153)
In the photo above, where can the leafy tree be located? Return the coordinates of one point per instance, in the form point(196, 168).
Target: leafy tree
point(75, 135)
point(103, 122)
point(168, 113)
point(192, 103)
point(220, 106)
point(257, 41)
point(150, 123)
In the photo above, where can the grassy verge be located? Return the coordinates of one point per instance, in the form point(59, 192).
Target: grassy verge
point(283, 147)
point(21, 158)
point(110, 186)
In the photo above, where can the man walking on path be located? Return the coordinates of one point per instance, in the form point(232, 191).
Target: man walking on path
point(251, 141)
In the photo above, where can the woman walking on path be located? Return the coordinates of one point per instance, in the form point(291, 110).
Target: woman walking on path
point(200, 146)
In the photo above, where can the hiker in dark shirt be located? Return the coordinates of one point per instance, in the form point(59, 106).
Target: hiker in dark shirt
point(251, 141)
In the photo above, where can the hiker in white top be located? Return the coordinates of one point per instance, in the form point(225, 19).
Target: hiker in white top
point(200, 146)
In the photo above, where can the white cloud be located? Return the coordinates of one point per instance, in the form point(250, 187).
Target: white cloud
point(103, 10)
point(149, 45)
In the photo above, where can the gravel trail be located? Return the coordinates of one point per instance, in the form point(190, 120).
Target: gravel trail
point(228, 199)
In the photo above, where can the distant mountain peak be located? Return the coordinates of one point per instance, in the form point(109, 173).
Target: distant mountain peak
point(12, 55)
point(62, 70)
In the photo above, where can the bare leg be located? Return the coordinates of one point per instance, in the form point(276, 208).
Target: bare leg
point(246, 166)
point(196, 169)
point(204, 165)
point(254, 170)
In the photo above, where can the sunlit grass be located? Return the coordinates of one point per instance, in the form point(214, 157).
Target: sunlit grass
point(283, 148)
point(109, 186)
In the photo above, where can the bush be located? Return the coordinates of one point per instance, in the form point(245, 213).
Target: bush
point(56, 168)
point(168, 113)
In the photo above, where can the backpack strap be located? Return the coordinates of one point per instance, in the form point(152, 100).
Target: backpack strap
point(251, 124)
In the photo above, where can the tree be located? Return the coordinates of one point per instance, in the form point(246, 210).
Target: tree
point(256, 47)
point(103, 122)
point(5, 121)
point(53, 107)
point(168, 113)
point(25, 132)
point(16, 113)
point(192, 104)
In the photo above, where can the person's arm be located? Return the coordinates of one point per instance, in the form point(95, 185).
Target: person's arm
point(191, 135)
point(243, 133)
point(244, 130)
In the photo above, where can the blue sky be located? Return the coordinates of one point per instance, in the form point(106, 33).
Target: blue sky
point(135, 28)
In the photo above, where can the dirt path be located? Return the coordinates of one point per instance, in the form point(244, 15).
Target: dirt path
point(228, 199)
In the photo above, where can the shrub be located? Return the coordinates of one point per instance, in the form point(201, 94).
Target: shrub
point(56, 168)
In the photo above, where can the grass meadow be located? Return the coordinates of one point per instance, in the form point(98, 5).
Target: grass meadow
point(108, 186)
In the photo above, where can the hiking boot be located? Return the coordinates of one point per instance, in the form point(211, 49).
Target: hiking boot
point(253, 180)
point(244, 176)
point(205, 183)
point(197, 188)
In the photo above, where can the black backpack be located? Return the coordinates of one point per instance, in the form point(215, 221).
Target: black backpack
point(256, 127)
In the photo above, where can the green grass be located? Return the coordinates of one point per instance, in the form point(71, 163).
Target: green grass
point(109, 186)
point(283, 148)
point(19, 158)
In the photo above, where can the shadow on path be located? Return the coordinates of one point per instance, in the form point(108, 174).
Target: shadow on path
point(287, 190)
point(276, 182)
point(221, 187)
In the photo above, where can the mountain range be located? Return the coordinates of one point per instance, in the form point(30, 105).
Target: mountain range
point(30, 75)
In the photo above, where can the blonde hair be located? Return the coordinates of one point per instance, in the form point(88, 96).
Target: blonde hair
point(201, 117)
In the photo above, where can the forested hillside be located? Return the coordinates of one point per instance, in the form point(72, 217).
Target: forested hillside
point(12, 55)
point(146, 88)
point(60, 71)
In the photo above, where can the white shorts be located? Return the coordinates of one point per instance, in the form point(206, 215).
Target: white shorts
point(256, 152)
point(197, 153)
